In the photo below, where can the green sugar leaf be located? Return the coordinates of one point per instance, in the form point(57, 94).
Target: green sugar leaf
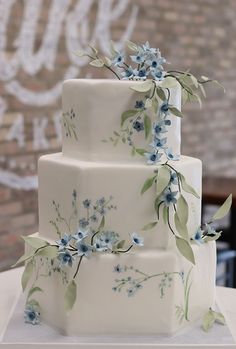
point(168, 82)
point(165, 213)
point(208, 320)
point(131, 45)
point(186, 187)
point(28, 271)
point(212, 238)
point(148, 103)
point(97, 63)
point(33, 290)
point(95, 51)
point(181, 227)
point(149, 226)
point(202, 90)
point(108, 62)
point(147, 125)
point(120, 244)
point(142, 87)
point(163, 179)
point(185, 249)
point(70, 295)
point(182, 209)
point(34, 242)
point(147, 184)
point(219, 317)
point(102, 224)
point(48, 251)
point(23, 258)
point(80, 53)
point(176, 112)
point(160, 93)
point(140, 151)
point(128, 114)
point(224, 209)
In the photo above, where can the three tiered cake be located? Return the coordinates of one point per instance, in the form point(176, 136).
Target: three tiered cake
point(120, 249)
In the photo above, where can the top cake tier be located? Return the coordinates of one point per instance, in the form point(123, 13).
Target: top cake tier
point(91, 120)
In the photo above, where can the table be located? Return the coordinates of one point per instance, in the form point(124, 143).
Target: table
point(10, 288)
point(214, 191)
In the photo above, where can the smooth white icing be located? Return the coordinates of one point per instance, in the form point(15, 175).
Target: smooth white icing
point(98, 105)
point(59, 176)
point(101, 311)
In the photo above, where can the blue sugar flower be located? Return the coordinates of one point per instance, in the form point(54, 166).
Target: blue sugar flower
point(138, 126)
point(127, 74)
point(83, 223)
point(139, 105)
point(31, 315)
point(159, 127)
point(65, 258)
point(152, 158)
point(167, 122)
point(139, 57)
point(109, 239)
point(146, 48)
point(87, 203)
point(169, 197)
point(153, 62)
point(159, 143)
point(173, 178)
point(83, 249)
point(118, 59)
point(170, 155)
point(118, 268)
point(211, 231)
point(64, 241)
point(198, 236)
point(80, 234)
point(158, 74)
point(164, 108)
point(136, 239)
point(140, 74)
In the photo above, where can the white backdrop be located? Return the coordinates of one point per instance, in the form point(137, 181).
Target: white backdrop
point(74, 25)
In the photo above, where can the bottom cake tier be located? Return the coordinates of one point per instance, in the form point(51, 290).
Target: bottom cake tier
point(149, 292)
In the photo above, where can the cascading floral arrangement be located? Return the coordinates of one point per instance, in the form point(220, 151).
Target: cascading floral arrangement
point(151, 116)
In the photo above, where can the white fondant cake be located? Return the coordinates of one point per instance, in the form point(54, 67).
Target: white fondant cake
point(94, 187)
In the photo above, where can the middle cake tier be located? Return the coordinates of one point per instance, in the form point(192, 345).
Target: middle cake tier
point(76, 194)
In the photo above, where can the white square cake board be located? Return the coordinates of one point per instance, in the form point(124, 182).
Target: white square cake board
point(18, 335)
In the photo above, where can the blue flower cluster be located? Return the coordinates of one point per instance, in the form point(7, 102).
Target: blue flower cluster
point(89, 238)
point(158, 145)
point(149, 63)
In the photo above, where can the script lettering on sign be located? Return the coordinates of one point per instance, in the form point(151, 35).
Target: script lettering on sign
point(63, 21)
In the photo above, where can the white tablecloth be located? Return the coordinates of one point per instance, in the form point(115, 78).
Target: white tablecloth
point(10, 289)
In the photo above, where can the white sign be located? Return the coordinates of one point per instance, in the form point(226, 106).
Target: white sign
point(74, 25)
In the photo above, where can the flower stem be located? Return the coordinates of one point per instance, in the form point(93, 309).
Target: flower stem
point(124, 251)
point(168, 221)
point(78, 266)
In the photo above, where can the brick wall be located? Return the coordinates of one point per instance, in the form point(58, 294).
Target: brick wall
point(198, 34)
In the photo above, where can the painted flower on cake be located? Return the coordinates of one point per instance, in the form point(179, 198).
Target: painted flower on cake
point(65, 258)
point(153, 158)
point(83, 249)
point(80, 234)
